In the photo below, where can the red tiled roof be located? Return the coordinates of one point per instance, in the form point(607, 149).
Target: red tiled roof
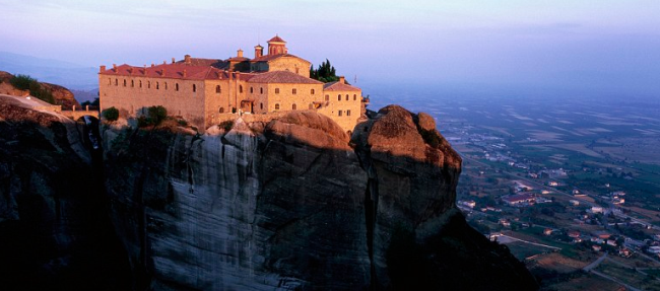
point(282, 77)
point(203, 62)
point(277, 38)
point(174, 71)
point(337, 86)
point(267, 58)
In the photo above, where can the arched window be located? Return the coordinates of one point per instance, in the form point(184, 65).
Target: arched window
point(233, 110)
point(294, 91)
point(222, 110)
point(240, 88)
point(354, 97)
point(261, 106)
point(116, 82)
point(311, 91)
point(157, 86)
point(339, 97)
point(124, 82)
point(339, 112)
point(251, 90)
point(176, 86)
point(294, 107)
point(132, 83)
point(346, 97)
point(327, 97)
point(140, 83)
point(165, 85)
point(218, 89)
point(277, 90)
point(194, 88)
point(148, 84)
point(261, 90)
point(277, 106)
point(348, 113)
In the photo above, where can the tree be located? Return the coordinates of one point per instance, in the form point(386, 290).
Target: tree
point(325, 73)
point(110, 114)
point(157, 114)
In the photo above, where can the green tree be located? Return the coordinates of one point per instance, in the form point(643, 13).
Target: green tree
point(157, 114)
point(25, 82)
point(110, 114)
point(325, 73)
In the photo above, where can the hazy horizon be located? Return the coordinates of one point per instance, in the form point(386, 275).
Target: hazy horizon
point(593, 46)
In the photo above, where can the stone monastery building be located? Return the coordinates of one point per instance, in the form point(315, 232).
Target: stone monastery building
point(207, 91)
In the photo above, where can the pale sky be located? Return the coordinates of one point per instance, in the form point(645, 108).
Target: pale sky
point(574, 43)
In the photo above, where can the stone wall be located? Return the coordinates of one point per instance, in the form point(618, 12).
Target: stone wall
point(349, 103)
point(291, 64)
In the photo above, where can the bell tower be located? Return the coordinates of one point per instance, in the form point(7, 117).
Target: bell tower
point(277, 46)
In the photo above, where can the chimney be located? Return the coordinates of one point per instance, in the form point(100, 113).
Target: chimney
point(184, 73)
point(239, 53)
point(173, 61)
point(258, 51)
point(144, 72)
point(114, 67)
point(342, 80)
point(162, 72)
point(102, 69)
point(187, 59)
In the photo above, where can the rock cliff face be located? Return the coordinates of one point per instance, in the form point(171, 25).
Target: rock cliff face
point(292, 202)
point(60, 94)
point(54, 230)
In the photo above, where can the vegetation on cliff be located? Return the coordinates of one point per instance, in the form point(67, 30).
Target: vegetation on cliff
point(25, 82)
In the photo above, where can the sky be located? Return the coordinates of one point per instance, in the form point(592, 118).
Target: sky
point(600, 45)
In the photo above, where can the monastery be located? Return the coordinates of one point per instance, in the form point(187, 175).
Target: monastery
point(207, 91)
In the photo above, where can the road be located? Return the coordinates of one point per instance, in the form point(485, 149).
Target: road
point(508, 239)
point(615, 280)
point(595, 263)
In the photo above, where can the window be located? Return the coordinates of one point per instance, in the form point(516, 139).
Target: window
point(261, 90)
point(261, 106)
point(277, 90)
point(233, 110)
point(294, 91)
point(277, 106)
point(148, 84)
point(339, 97)
point(194, 88)
point(354, 97)
point(251, 90)
point(294, 107)
point(218, 89)
point(348, 113)
point(140, 83)
point(116, 82)
point(157, 85)
point(346, 97)
point(132, 83)
point(222, 110)
point(124, 82)
point(165, 85)
point(327, 97)
point(339, 112)
point(240, 89)
point(311, 91)
point(176, 86)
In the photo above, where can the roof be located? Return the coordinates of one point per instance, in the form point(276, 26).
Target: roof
point(517, 198)
point(174, 71)
point(282, 77)
point(338, 86)
point(203, 62)
point(277, 38)
point(268, 58)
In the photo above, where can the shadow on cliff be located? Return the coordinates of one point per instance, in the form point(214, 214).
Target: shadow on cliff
point(55, 233)
point(295, 203)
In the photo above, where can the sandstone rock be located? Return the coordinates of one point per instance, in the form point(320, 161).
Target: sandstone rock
point(60, 94)
point(425, 121)
point(294, 206)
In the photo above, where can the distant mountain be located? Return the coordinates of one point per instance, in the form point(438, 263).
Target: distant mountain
point(72, 76)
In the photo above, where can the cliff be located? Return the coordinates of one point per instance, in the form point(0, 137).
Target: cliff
point(292, 202)
point(61, 96)
point(54, 230)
